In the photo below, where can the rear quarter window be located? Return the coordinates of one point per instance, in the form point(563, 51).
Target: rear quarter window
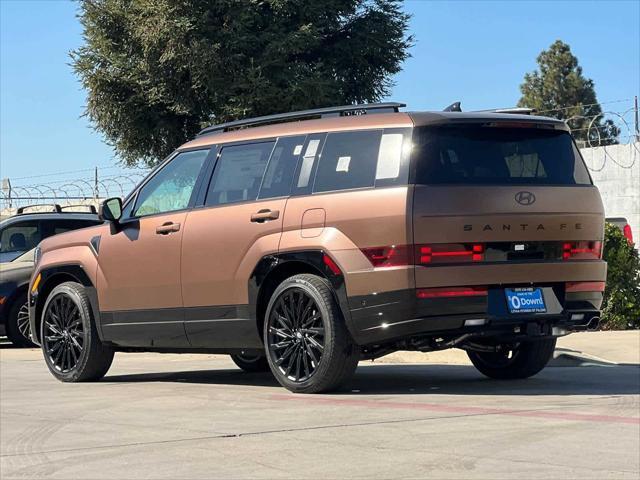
point(497, 156)
point(362, 159)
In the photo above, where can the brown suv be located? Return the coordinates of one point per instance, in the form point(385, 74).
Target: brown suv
point(307, 241)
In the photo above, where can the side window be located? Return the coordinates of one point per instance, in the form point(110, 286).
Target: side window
point(238, 173)
point(303, 179)
point(20, 237)
point(171, 188)
point(348, 160)
point(282, 166)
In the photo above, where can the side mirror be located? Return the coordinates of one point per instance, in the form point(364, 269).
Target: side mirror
point(111, 210)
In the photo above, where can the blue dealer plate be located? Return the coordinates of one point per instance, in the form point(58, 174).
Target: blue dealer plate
point(525, 300)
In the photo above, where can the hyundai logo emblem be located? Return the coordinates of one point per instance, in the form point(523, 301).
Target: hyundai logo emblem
point(525, 198)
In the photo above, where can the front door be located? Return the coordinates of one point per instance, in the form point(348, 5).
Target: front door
point(139, 262)
point(224, 240)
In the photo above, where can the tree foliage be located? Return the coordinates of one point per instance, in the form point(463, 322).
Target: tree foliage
point(559, 89)
point(157, 71)
point(621, 307)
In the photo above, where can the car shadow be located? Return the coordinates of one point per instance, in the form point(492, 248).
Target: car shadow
point(399, 379)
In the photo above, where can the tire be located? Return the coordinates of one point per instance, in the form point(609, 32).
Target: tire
point(72, 349)
point(309, 348)
point(523, 361)
point(18, 329)
point(252, 364)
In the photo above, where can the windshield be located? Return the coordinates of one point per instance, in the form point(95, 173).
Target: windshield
point(476, 154)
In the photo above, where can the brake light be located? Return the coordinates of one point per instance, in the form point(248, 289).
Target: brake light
point(572, 287)
point(628, 234)
point(448, 292)
point(450, 253)
point(391, 256)
point(582, 250)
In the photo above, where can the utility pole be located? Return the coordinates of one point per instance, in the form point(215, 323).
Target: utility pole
point(635, 107)
point(95, 186)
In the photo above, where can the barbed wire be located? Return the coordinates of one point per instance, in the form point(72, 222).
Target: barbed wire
point(92, 184)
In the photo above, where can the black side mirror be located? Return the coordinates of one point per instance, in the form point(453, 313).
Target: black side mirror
point(111, 210)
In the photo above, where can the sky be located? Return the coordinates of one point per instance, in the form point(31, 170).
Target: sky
point(476, 52)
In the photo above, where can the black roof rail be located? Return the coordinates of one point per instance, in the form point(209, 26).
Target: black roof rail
point(56, 208)
point(345, 110)
point(92, 208)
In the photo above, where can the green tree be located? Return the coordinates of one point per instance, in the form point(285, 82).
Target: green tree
point(157, 71)
point(558, 89)
point(621, 306)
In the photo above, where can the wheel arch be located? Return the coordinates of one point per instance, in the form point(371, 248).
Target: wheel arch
point(54, 276)
point(272, 270)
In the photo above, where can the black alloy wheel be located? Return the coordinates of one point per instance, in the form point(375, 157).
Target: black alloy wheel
point(296, 335)
point(63, 333)
point(71, 345)
point(307, 343)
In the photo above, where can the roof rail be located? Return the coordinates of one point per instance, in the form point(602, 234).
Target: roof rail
point(91, 208)
point(343, 111)
point(56, 208)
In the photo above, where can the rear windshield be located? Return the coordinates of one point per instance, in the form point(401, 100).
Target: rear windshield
point(497, 156)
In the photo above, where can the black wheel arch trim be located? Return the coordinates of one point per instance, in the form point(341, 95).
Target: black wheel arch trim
point(49, 280)
point(314, 262)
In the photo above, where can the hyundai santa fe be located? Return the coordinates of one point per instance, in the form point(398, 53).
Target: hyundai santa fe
point(304, 242)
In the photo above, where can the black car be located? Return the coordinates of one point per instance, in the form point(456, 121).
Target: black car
point(14, 314)
point(19, 235)
point(32, 224)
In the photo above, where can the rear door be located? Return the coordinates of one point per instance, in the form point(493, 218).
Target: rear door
point(514, 202)
point(224, 239)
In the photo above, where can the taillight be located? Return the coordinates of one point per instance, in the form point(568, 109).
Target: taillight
point(572, 287)
point(582, 250)
point(448, 292)
point(391, 256)
point(628, 234)
point(450, 253)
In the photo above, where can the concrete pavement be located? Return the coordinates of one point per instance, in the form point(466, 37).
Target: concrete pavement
point(197, 416)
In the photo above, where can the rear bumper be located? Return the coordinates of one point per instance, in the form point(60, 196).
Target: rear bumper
point(399, 315)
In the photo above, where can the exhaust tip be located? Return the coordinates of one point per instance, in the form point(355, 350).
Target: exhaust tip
point(593, 324)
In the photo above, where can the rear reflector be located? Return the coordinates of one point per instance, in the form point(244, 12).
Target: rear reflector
point(328, 261)
point(572, 287)
point(582, 250)
point(448, 292)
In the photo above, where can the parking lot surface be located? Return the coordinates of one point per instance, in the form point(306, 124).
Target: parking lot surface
point(198, 416)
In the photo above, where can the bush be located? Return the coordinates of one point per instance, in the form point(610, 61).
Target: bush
point(621, 306)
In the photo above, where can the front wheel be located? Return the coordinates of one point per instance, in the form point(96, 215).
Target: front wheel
point(521, 360)
point(70, 343)
point(309, 348)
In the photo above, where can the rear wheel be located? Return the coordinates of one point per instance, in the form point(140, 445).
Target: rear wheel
point(521, 360)
point(251, 363)
point(308, 346)
point(18, 329)
point(70, 343)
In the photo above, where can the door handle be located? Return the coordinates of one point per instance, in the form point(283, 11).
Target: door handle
point(167, 228)
point(265, 215)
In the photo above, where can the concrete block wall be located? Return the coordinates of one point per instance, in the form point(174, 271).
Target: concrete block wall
point(615, 170)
